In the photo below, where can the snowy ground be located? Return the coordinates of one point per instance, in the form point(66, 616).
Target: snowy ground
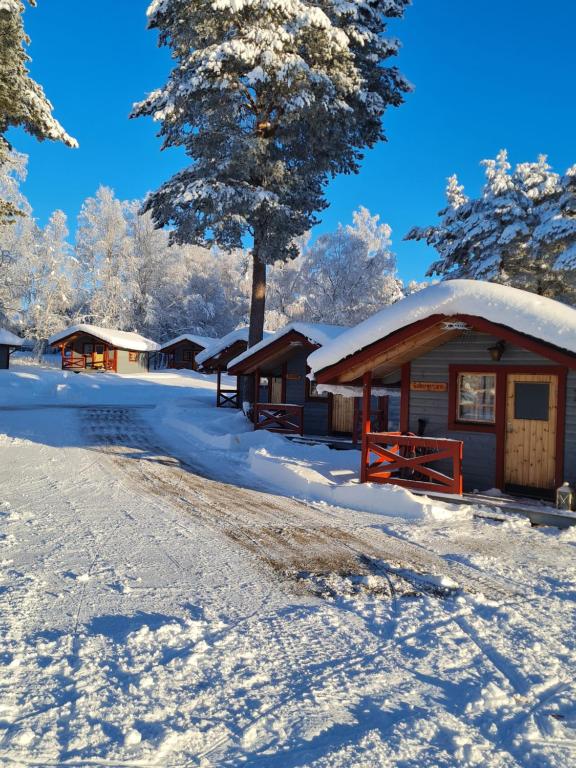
point(162, 607)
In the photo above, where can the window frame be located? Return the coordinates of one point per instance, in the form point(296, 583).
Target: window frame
point(454, 424)
point(459, 402)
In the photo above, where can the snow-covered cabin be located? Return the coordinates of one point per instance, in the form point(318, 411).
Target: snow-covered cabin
point(290, 402)
point(215, 359)
point(87, 347)
point(487, 376)
point(8, 343)
point(181, 352)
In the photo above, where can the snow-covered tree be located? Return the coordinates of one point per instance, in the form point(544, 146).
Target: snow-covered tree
point(342, 278)
point(269, 100)
point(22, 100)
point(103, 248)
point(520, 231)
point(47, 273)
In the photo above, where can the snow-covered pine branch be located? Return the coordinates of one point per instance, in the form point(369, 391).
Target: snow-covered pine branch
point(520, 231)
point(22, 100)
point(269, 100)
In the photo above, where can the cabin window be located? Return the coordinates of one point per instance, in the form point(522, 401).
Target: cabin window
point(133, 357)
point(476, 400)
point(87, 348)
point(187, 356)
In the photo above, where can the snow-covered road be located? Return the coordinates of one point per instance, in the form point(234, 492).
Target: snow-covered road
point(156, 617)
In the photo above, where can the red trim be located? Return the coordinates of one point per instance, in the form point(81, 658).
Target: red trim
point(405, 398)
point(115, 360)
point(332, 372)
point(499, 428)
point(257, 358)
point(219, 362)
point(366, 403)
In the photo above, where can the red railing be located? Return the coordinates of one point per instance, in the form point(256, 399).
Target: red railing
point(286, 419)
point(227, 398)
point(404, 459)
point(83, 362)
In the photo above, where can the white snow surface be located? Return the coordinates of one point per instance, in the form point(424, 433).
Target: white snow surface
point(221, 345)
point(10, 339)
point(202, 341)
point(120, 339)
point(317, 333)
point(528, 313)
point(136, 633)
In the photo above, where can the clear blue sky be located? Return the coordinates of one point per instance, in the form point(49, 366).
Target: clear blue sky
point(489, 74)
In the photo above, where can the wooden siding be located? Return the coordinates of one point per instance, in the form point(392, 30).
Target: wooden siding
point(4, 357)
point(315, 411)
point(479, 463)
point(126, 366)
point(570, 435)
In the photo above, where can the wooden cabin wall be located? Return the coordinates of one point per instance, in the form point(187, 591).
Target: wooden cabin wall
point(4, 357)
point(316, 421)
point(125, 365)
point(479, 465)
point(570, 436)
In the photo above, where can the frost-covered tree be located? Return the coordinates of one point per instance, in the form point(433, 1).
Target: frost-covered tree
point(22, 100)
point(269, 100)
point(342, 278)
point(520, 231)
point(47, 279)
point(103, 248)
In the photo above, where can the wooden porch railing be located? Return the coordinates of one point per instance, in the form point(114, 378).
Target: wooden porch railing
point(404, 459)
point(83, 362)
point(227, 398)
point(283, 418)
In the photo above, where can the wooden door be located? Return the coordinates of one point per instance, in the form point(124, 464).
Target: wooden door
point(342, 414)
point(98, 356)
point(531, 424)
point(276, 389)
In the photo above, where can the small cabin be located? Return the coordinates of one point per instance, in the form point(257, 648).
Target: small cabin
point(287, 400)
point(487, 378)
point(8, 343)
point(216, 358)
point(180, 353)
point(89, 348)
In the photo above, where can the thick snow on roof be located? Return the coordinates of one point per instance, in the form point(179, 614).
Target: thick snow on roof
point(317, 333)
point(120, 339)
point(528, 313)
point(240, 334)
point(9, 339)
point(202, 341)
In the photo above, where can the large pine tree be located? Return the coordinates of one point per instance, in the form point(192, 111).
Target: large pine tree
point(22, 100)
point(269, 100)
point(520, 231)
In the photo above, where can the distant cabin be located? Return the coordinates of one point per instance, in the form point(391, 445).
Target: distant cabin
point(180, 353)
point(487, 376)
point(90, 348)
point(8, 343)
point(216, 358)
point(285, 400)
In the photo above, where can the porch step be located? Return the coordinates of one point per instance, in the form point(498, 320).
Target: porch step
point(538, 513)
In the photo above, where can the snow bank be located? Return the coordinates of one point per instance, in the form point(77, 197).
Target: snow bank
point(120, 339)
point(525, 312)
point(317, 333)
point(10, 339)
point(309, 472)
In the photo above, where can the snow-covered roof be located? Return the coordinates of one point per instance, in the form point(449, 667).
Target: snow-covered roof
point(221, 345)
point(525, 312)
point(317, 333)
point(120, 339)
point(202, 341)
point(9, 339)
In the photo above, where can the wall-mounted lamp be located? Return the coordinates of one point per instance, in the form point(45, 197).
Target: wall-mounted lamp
point(497, 350)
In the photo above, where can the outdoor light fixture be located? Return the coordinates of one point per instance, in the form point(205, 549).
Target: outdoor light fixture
point(497, 350)
point(565, 497)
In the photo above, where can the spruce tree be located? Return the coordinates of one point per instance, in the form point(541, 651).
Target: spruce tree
point(520, 231)
point(22, 100)
point(269, 101)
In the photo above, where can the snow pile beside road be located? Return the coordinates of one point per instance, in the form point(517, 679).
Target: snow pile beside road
point(310, 472)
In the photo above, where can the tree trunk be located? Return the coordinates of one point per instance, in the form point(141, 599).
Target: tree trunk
point(258, 301)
